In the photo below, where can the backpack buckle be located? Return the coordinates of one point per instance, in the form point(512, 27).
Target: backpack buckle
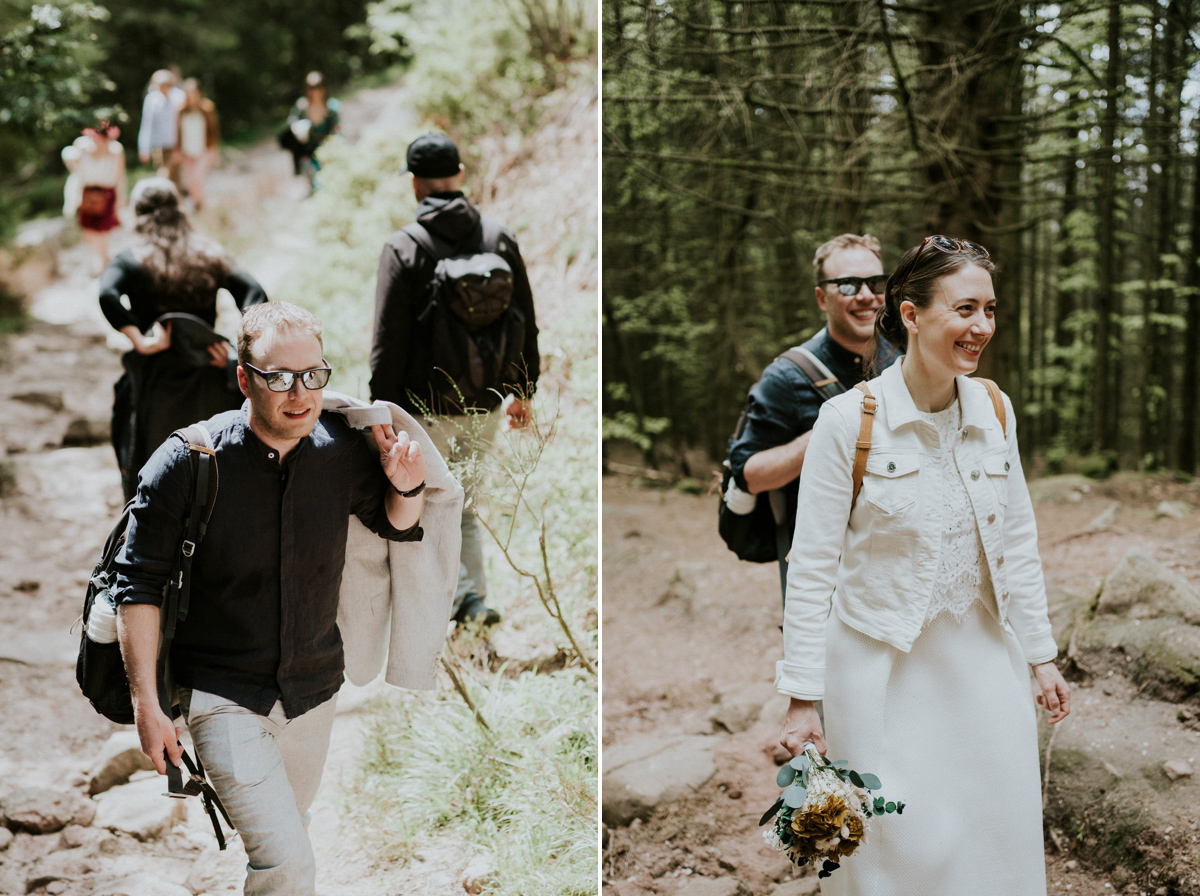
point(188, 548)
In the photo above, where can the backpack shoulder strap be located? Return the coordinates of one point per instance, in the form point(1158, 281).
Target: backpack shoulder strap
point(490, 232)
point(997, 401)
point(821, 378)
point(863, 446)
point(203, 460)
point(423, 237)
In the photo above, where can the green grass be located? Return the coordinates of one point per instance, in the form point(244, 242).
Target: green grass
point(522, 794)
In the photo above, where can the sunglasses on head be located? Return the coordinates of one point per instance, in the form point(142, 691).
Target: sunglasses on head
point(947, 244)
point(850, 286)
point(283, 380)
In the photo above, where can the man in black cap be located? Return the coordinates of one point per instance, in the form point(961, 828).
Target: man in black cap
point(462, 370)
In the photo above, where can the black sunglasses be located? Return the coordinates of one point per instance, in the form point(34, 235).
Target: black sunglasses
point(850, 286)
point(283, 380)
point(947, 244)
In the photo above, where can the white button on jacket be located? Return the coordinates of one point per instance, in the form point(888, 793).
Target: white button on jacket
point(879, 562)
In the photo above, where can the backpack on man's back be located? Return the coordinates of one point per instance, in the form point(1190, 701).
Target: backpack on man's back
point(750, 530)
point(476, 335)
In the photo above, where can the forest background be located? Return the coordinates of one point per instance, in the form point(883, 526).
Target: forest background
point(738, 135)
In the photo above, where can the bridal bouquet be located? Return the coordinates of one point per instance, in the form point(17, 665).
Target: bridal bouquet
point(823, 811)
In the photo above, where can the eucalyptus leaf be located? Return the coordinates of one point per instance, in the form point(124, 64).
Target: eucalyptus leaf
point(878, 804)
point(840, 763)
point(890, 807)
point(899, 808)
point(855, 778)
point(800, 763)
point(870, 781)
point(786, 776)
point(771, 812)
point(795, 796)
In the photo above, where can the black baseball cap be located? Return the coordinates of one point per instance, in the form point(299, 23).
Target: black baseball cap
point(432, 155)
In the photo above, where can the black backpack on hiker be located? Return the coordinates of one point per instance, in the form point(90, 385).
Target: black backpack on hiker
point(752, 535)
point(476, 336)
point(100, 668)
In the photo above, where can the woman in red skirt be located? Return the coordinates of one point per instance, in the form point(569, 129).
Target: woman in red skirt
point(95, 190)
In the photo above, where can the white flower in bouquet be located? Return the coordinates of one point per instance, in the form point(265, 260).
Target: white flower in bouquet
point(823, 811)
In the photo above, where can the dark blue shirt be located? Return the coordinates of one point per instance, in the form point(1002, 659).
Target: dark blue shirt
point(262, 620)
point(783, 405)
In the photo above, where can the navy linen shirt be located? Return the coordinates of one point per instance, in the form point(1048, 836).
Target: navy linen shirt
point(783, 405)
point(262, 620)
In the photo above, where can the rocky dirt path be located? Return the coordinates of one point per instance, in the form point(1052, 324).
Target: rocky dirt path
point(691, 636)
point(59, 493)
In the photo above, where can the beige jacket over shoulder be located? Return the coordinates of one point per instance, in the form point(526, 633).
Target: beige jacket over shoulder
point(395, 599)
point(877, 565)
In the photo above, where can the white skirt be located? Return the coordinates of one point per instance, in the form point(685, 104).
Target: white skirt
point(949, 728)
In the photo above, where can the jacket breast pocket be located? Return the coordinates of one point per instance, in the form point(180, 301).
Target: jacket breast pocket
point(996, 467)
point(890, 482)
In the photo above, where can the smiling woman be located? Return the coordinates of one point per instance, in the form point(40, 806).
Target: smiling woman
point(916, 611)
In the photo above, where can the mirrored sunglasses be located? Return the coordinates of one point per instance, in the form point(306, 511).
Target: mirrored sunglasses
point(850, 286)
point(283, 380)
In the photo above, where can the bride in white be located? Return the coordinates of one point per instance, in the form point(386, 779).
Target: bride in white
point(917, 610)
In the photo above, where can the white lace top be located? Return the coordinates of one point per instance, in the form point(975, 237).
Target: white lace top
point(963, 576)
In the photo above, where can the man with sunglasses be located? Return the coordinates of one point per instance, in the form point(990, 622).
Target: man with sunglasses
point(783, 404)
point(258, 660)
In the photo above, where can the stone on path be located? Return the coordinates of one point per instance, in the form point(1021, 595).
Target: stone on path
point(644, 774)
point(712, 886)
point(1176, 769)
point(139, 808)
point(801, 886)
point(738, 709)
point(1175, 510)
point(143, 884)
point(1139, 587)
point(6, 837)
point(117, 761)
point(41, 810)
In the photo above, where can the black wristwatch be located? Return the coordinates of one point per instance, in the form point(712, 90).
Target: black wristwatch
point(411, 493)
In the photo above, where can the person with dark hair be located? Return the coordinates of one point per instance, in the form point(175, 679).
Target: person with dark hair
point(179, 370)
point(916, 610)
point(418, 366)
point(95, 190)
point(769, 453)
point(312, 119)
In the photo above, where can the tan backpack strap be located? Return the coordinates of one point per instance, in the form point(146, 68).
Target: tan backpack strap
point(997, 402)
point(863, 446)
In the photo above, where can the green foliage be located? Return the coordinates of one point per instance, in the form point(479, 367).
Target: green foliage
point(523, 791)
point(473, 72)
point(47, 84)
point(44, 74)
point(627, 426)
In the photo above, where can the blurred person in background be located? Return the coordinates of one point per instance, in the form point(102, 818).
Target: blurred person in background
point(197, 140)
point(312, 119)
point(95, 190)
point(158, 135)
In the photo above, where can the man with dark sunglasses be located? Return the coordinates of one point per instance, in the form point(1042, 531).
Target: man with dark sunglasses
point(258, 660)
point(783, 404)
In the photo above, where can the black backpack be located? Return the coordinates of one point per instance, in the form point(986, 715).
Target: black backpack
point(752, 535)
point(100, 669)
point(475, 335)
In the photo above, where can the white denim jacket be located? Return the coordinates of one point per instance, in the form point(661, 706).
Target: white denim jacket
point(879, 562)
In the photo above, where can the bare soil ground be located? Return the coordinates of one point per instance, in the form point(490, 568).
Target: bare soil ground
point(60, 492)
point(685, 621)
